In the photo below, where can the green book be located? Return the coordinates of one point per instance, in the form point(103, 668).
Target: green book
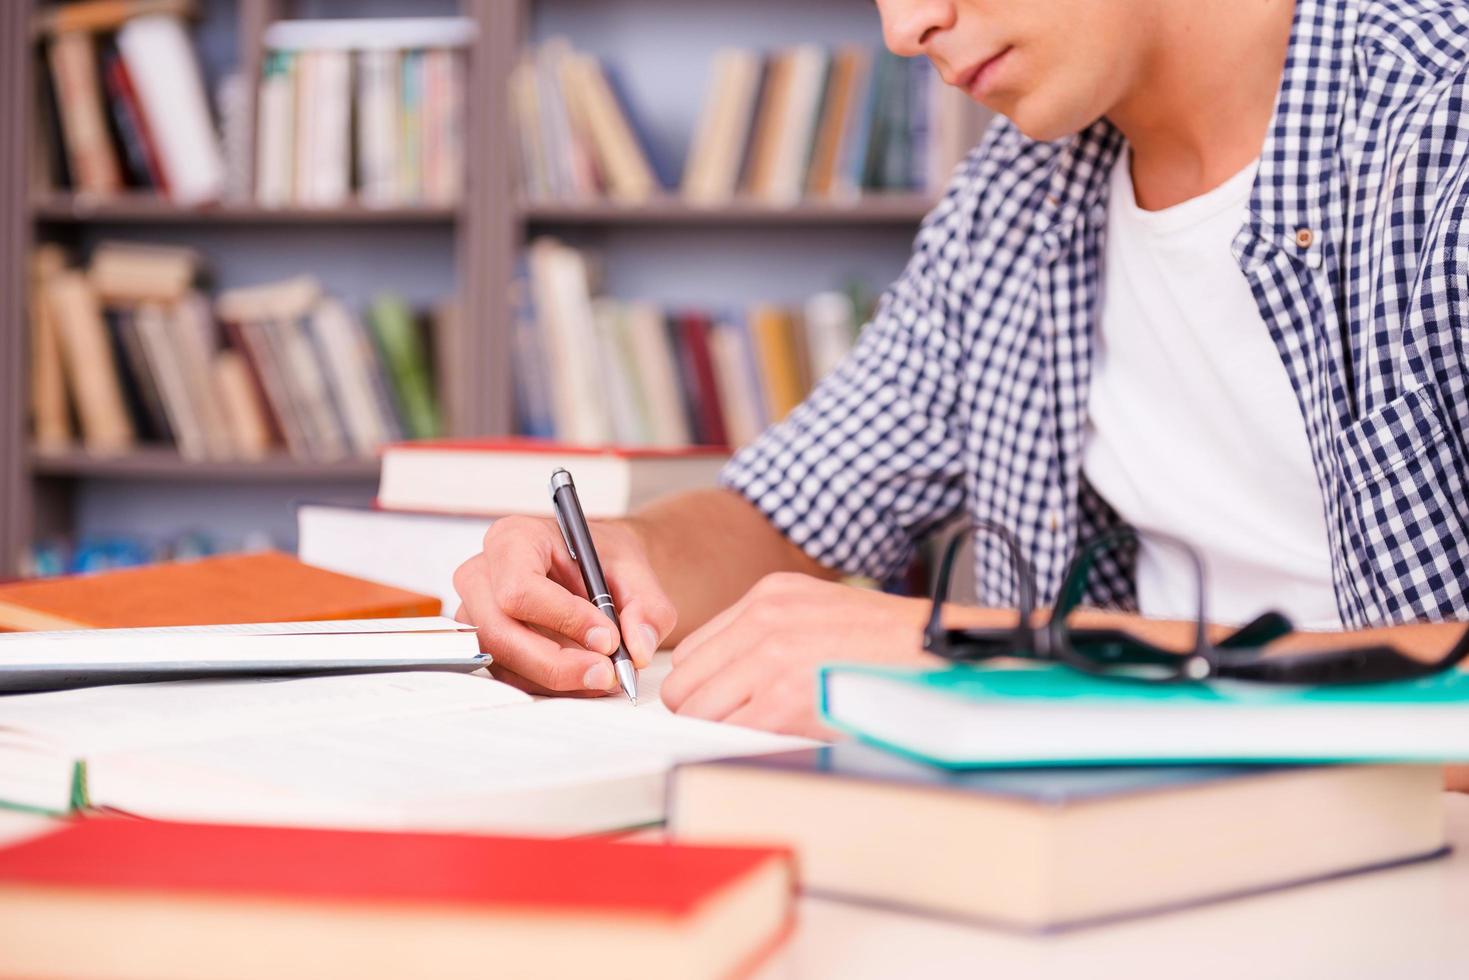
point(971, 717)
point(401, 345)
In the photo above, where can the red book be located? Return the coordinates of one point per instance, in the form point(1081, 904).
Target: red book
point(696, 362)
point(113, 898)
point(120, 88)
point(491, 477)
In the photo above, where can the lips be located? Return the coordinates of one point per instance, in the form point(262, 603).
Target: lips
point(976, 79)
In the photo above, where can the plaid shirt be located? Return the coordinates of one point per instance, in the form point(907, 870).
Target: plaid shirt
point(967, 393)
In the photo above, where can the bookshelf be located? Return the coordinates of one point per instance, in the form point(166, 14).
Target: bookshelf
point(664, 249)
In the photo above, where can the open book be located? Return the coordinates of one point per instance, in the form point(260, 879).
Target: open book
point(425, 751)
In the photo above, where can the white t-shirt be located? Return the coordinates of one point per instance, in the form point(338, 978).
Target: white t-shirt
point(1194, 430)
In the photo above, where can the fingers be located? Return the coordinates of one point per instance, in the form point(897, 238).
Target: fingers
point(548, 605)
point(507, 676)
point(543, 660)
point(724, 692)
point(692, 671)
point(646, 612)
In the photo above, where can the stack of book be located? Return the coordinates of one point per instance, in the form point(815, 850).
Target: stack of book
point(131, 352)
point(371, 108)
point(595, 370)
point(576, 136)
point(1045, 798)
point(124, 103)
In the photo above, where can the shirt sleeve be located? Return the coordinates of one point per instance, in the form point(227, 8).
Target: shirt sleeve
point(871, 461)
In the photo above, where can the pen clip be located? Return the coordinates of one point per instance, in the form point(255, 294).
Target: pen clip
point(561, 523)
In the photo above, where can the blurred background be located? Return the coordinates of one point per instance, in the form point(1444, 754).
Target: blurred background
point(247, 244)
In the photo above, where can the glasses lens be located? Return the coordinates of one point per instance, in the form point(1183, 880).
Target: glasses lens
point(1008, 633)
point(1116, 652)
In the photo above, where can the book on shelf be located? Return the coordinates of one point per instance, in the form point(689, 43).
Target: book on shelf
point(576, 135)
point(128, 99)
point(145, 359)
point(493, 477)
point(1052, 848)
point(180, 899)
point(809, 122)
point(371, 109)
point(595, 370)
point(255, 588)
point(414, 750)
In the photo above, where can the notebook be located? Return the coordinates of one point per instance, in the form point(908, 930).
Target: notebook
point(65, 659)
point(126, 898)
point(426, 751)
point(995, 716)
point(267, 587)
point(1051, 848)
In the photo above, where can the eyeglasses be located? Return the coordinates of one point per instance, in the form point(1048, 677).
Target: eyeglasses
point(1118, 653)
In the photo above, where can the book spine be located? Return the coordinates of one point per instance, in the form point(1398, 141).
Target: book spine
point(402, 350)
point(693, 331)
point(134, 355)
point(275, 431)
point(91, 160)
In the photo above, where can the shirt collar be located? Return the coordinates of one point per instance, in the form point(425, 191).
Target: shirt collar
point(1288, 204)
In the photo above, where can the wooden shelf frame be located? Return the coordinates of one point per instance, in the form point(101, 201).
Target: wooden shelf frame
point(489, 228)
point(163, 463)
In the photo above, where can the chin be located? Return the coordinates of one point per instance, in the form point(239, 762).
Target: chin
point(1045, 122)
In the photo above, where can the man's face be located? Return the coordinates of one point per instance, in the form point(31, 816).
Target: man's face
point(1052, 66)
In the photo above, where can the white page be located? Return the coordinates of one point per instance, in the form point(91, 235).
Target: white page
point(369, 639)
point(558, 766)
point(95, 719)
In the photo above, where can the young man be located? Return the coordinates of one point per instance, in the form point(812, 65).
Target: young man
point(1210, 277)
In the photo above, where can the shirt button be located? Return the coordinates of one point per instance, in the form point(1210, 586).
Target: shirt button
point(1304, 237)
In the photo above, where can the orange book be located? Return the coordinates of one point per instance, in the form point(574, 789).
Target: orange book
point(127, 898)
point(268, 587)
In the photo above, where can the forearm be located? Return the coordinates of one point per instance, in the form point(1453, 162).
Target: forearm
point(708, 547)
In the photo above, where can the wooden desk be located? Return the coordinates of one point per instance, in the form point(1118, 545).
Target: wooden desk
point(1408, 922)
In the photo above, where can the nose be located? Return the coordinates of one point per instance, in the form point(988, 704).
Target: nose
point(908, 25)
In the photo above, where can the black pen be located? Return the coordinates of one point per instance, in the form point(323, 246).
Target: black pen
point(578, 538)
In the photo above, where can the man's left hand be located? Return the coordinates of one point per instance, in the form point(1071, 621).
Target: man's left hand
point(755, 663)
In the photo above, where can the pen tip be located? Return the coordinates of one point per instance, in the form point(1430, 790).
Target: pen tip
point(634, 700)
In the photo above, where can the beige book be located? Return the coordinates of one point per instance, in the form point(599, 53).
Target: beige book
point(559, 280)
point(249, 431)
point(348, 375)
point(87, 357)
point(124, 273)
point(797, 124)
point(192, 333)
point(735, 122)
point(93, 162)
point(630, 177)
point(49, 414)
point(695, 185)
point(272, 301)
point(657, 369)
point(768, 124)
point(152, 324)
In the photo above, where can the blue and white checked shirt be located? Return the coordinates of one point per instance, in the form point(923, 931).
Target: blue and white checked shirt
point(968, 391)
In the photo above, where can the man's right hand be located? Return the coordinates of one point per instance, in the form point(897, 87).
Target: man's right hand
point(525, 598)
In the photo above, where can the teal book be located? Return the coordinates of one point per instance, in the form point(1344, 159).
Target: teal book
point(998, 716)
point(1051, 848)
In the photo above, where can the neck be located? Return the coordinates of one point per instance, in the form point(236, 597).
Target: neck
point(1201, 104)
